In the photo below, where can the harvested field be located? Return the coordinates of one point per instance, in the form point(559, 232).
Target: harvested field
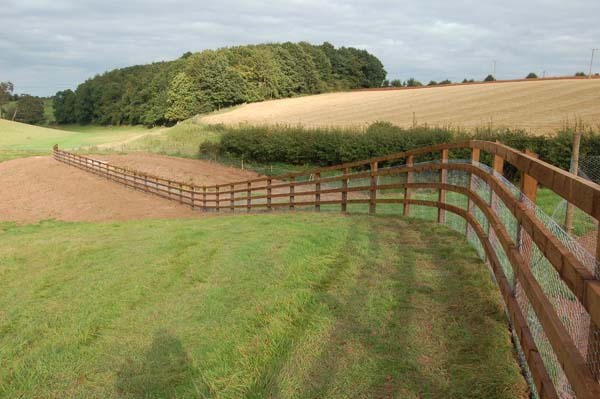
point(39, 188)
point(538, 106)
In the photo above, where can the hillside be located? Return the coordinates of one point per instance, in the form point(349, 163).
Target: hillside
point(15, 136)
point(165, 92)
point(538, 106)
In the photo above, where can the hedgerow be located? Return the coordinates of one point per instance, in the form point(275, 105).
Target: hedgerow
point(330, 146)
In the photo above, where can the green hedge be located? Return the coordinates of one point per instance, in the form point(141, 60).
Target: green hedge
point(331, 146)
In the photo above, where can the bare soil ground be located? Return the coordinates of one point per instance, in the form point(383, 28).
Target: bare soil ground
point(40, 188)
point(538, 106)
point(180, 169)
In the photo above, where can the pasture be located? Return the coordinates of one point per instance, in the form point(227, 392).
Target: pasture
point(16, 136)
point(537, 106)
point(295, 306)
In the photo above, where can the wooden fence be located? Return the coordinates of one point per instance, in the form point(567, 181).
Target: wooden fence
point(559, 363)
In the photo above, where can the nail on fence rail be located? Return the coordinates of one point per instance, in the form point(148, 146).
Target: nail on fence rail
point(549, 284)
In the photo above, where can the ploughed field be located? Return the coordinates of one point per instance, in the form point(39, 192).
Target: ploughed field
point(538, 106)
point(252, 306)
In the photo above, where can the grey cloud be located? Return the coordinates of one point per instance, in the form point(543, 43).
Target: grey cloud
point(49, 45)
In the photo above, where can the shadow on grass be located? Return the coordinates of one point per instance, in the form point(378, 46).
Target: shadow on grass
point(162, 372)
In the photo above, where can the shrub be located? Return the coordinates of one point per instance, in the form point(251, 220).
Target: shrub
point(489, 78)
point(531, 75)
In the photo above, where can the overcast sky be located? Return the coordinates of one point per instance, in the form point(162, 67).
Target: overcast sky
point(50, 45)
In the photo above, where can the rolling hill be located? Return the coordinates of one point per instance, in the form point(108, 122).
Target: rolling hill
point(540, 106)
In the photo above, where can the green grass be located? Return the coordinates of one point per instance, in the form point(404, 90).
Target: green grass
point(16, 136)
point(261, 306)
point(182, 140)
point(8, 155)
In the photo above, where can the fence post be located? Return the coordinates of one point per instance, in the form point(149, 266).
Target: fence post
point(373, 190)
point(269, 194)
point(193, 195)
point(249, 197)
point(204, 198)
point(443, 180)
point(318, 192)
point(345, 192)
point(575, 170)
point(475, 155)
point(409, 175)
point(499, 169)
point(292, 190)
point(232, 197)
point(217, 208)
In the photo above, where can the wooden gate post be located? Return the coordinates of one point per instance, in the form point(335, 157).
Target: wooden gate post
point(344, 191)
point(373, 190)
point(443, 180)
point(318, 192)
point(409, 175)
point(292, 189)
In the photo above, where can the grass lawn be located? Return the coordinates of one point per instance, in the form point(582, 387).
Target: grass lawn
point(16, 136)
point(260, 306)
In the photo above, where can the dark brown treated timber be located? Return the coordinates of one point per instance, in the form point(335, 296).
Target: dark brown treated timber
point(344, 190)
point(269, 194)
point(318, 191)
point(249, 196)
point(582, 194)
point(443, 180)
point(373, 188)
point(292, 193)
point(409, 164)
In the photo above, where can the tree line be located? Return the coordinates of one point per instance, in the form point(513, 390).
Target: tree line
point(163, 93)
point(20, 107)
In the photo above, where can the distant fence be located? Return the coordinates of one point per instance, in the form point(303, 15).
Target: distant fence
point(550, 284)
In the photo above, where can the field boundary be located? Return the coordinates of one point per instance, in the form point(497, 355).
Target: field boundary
point(391, 88)
point(550, 286)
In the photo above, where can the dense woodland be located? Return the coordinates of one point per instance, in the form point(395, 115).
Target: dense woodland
point(165, 92)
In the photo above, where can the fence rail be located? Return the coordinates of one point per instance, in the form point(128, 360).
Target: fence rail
point(549, 284)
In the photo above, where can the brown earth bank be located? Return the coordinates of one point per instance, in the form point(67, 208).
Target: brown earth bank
point(40, 188)
point(201, 173)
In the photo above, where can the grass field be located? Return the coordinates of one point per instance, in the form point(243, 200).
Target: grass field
point(16, 136)
point(538, 106)
point(294, 306)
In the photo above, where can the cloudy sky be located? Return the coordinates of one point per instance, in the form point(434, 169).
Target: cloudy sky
point(50, 45)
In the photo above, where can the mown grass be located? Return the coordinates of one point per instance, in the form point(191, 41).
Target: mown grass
point(16, 136)
point(262, 306)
